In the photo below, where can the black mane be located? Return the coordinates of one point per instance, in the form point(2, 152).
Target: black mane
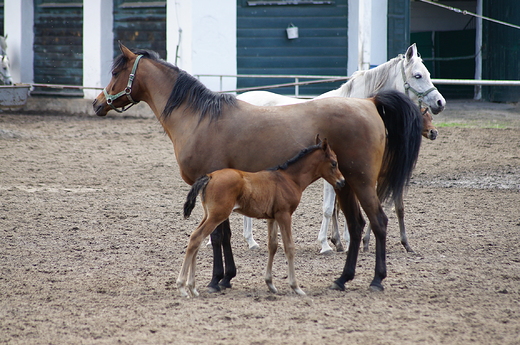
point(200, 99)
point(296, 158)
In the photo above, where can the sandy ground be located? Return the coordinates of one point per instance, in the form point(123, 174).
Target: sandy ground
point(92, 238)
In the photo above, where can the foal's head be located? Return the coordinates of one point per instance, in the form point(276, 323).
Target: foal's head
point(429, 131)
point(329, 168)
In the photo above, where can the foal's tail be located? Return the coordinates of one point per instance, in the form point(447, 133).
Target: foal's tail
point(403, 124)
point(191, 199)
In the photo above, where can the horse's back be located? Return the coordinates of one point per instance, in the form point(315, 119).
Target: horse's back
point(266, 98)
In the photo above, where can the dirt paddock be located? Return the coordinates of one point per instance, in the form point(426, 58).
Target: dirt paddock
point(92, 238)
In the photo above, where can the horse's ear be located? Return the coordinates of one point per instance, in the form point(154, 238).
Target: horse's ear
point(318, 140)
point(411, 52)
point(126, 52)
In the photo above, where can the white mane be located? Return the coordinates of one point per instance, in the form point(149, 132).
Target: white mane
point(367, 83)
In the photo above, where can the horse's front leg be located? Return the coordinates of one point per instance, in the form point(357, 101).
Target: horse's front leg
point(284, 221)
point(248, 233)
point(218, 264)
point(230, 268)
point(272, 244)
point(329, 197)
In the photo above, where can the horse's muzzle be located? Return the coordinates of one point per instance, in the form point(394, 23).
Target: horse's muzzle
point(340, 184)
point(98, 108)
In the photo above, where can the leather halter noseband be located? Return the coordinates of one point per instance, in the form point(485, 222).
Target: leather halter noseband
point(127, 91)
point(408, 87)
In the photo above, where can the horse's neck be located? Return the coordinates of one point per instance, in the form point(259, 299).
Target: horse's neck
point(366, 83)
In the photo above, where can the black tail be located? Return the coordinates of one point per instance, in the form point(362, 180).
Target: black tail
point(191, 199)
point(403, 123)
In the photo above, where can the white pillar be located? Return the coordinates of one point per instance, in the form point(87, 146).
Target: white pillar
point(179, 33)
point(98, 36)
point(365, 33)
point(18, 26)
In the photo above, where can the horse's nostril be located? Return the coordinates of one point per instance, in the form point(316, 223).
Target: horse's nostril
point(440, 103)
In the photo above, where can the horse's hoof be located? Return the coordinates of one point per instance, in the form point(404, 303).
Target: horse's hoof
point(337, 287)
point(224, 285)
point(254, 247)
point(299, 291)
point(327, 252)
point(272, 288)
point(213, 288)
point(376, 288)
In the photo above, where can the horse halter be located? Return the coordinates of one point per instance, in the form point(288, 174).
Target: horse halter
point(408, 87)
point(127, 91)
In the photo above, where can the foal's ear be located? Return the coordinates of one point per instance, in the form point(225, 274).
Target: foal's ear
point(324, 144)
point(318, 140)
point(411, 52)
point(126, 52)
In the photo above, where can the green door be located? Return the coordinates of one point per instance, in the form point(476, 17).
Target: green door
point(263, 46)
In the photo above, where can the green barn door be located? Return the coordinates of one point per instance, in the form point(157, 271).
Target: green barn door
point(58, 46)
point(263, 46)
point(398, 27)
point(140, 24)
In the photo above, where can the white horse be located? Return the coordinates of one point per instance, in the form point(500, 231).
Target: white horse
point(405, 73)
point(5, 71)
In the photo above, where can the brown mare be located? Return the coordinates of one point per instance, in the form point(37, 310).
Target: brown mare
point(212, 131)
point(270, 194)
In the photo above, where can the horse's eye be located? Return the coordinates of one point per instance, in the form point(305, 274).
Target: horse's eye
point(114, 74)
point(417, 76)
point(334, 164)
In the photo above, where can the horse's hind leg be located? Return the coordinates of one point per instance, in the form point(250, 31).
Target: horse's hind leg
point(230, 269)
point(272, 245)
point(336, 238)
point(355, 221)
point(366, 238)
point(329, 197)
point(399, 210)
point(378, 220)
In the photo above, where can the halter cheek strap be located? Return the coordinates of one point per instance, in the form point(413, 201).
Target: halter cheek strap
point(408, 87)
point(126, 92)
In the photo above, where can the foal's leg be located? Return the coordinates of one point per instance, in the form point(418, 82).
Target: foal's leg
point(329, 197)
point(399, 211)
point(284, 221)
point(272, 231)
point(248, 233)
point(188, 265)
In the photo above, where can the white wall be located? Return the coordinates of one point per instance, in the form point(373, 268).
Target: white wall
point(18, 26)
point(207, 40)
